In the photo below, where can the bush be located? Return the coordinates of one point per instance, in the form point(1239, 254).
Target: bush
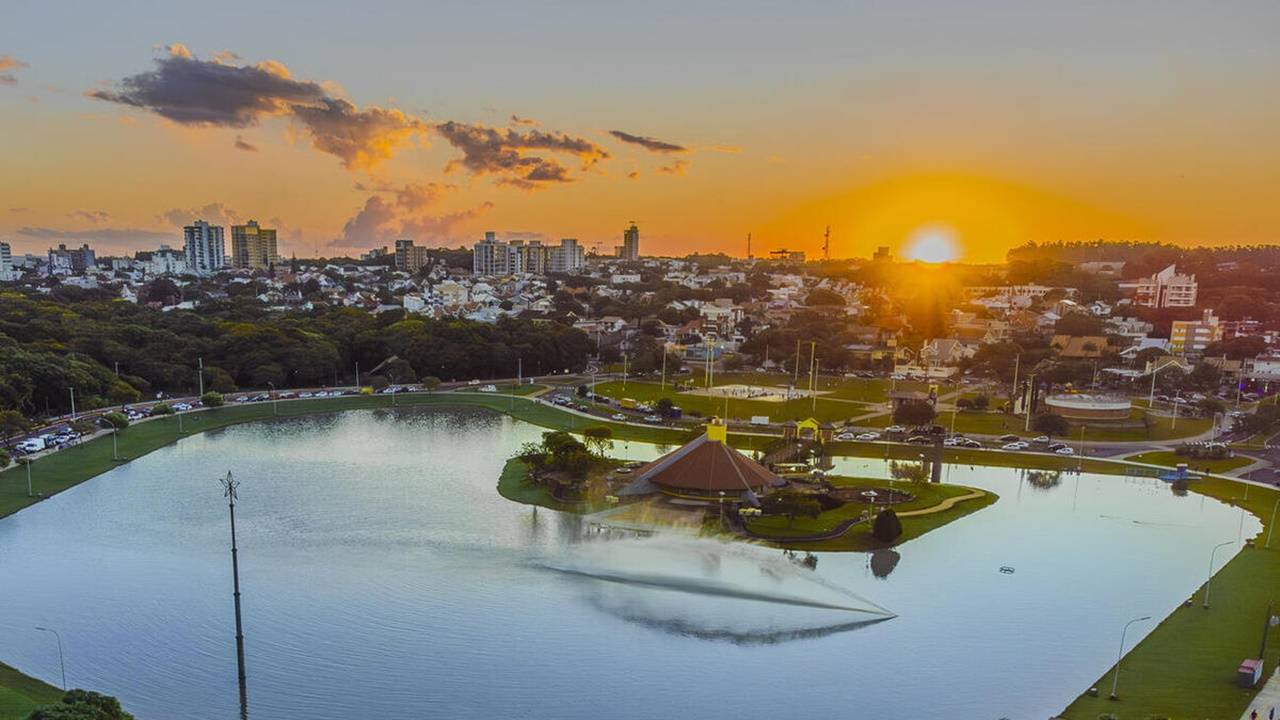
point(116, 420)
point(161, 409)
point(887, 527)
point(211, 399)
point(4, 459)
point(82, 705)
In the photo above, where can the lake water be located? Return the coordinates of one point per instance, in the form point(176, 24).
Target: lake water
point(383, 576)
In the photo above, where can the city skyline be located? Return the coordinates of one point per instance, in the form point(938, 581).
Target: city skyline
point(983, 128)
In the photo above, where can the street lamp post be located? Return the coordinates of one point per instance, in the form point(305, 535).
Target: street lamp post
point(115, 447)
point(73, 402)
point(62, 662)
point(274, 398)
point(229, 486)
point(1209, 579)
point(1115, 682)
point(1272, 525)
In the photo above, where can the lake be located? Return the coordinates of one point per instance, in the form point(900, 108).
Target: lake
point(383, 576)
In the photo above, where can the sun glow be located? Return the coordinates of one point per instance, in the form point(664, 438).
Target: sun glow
point(932, 245)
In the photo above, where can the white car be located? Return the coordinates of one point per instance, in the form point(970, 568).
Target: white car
point(619, 416)
point(652, 419)
point(1019, 445)
point(1065, 451)
point(489, 388)
point(869, 436)
point(1043, 439)
point(844, 437)
point(895, 429)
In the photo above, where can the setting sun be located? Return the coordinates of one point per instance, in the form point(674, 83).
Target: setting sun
point(932, 245)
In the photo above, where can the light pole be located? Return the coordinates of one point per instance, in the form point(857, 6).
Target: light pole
point(61, 661)
point(200, 372)
point(1272, 525)
point(1115, 682)
point(1031, 394)
point(73, 402)
point(229, 491)
point(27, 461)
point(358, 375)
point(115, 447)
point(274, 398)
point(1210, 578)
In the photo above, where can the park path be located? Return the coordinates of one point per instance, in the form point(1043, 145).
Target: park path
point(1267, 699)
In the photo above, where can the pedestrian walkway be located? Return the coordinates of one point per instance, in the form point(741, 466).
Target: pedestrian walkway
point(1266, 699)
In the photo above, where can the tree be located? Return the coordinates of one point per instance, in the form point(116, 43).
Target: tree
point(4, 458)
point(1211, 406)
point(887, 527)
point(161, 409)
point(82, 705)
point(12, 423)
point(822, 296)
point(1050, 424)
point(116, 420)
point(914, 412)
point(212, 399)
point(598, 439)
point(665, 407)
point(792, 504)
point(429, 382)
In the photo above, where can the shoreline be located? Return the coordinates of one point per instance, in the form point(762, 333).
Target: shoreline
point(1188, 632)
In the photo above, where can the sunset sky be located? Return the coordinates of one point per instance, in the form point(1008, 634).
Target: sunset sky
point(976, 125)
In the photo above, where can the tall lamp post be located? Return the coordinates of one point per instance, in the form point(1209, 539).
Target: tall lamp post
point(274, 398)
point(229, 486)
point(1209, 579)
point(115, 447)
point(61, 662)
point(1115, 682)
point(27, 461)
point(1271, 526)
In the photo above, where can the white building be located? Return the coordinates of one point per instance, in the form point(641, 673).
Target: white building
point(7, 273)
point(204, 247)
point(568, 257)
point(1165, 289)
point(165, 261)
point(499, 257)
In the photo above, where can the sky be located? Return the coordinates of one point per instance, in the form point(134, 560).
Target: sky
point(937, 129)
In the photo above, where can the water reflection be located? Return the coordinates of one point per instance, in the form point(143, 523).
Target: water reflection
point(375, 553)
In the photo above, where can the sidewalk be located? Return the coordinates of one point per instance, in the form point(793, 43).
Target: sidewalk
point(1266, 699)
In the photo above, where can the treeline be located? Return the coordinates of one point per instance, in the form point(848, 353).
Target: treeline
point(110, 352)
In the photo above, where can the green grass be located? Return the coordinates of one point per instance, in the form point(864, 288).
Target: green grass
point(1169, 458)
point(19, 694)
point(1186, 667)
point(515, 485)
point(834, 411)
point(858, 537)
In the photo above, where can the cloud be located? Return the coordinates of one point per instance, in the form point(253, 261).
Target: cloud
point(242, 144)
point(405, 211)
point(363, 139)
point(220, 93)
point(648, 143)
point(93, 216)
point(676, 168)
point(191, 91)
point(508, 153)
point(106, 235)
point(528, 122)
point(9, 64)
point(214, 213)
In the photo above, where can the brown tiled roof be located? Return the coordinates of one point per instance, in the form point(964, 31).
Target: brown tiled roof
point(709, 466)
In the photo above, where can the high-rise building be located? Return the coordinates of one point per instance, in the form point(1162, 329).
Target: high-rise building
point(6, 263)
point(1191, 337)
point(252, 247)
point(567, 257)
point(630, 247)
point(1165, 289)
point(492, 256)
point(410, 258)
point(63, 260)
point(205, 248)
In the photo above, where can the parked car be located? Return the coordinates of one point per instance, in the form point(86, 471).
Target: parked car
point(1042, 439)
point(869, 436)
point(1017, 445)
point(845, 437)
point(1065, 451)
point(895, 430)
point(619, 416)
point(1009, 438)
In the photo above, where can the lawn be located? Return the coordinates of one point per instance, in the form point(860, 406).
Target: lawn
point(834, 411)
point(858, 537)
point(1186, 667)
point(19, 694)
point(1169, 458)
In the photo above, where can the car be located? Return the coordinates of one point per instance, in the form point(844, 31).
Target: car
point(618, 416)
point(473, 382)
point(182, 407)
point(305, 394)
point(970, 443)
point(951, 442)
point(895, 430)
point(1057, 446)
point(652, 419)
point(1065, 451)
point(1014, 446)
point(845, 437)
point(869, 436)
point(489, 388)
point(1042, 439)
point(1009, 438)
point(920, 440)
